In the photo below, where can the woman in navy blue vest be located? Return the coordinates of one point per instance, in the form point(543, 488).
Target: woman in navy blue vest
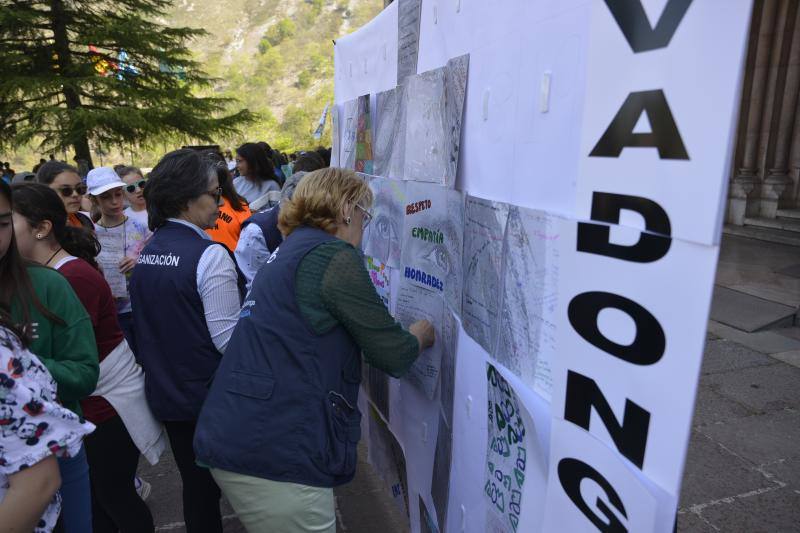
point(280, 426)
point(186, 297)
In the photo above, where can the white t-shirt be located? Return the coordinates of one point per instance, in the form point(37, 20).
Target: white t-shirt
point(254, 190)
point(139, 216)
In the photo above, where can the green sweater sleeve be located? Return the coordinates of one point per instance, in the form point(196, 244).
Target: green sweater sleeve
point(68, 350)
point(333, 286)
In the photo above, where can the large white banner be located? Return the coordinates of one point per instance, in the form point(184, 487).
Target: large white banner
point(594, 148)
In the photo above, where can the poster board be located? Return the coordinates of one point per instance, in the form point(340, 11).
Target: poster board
point(550, 91)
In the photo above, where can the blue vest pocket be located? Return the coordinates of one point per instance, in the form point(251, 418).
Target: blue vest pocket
point(252, 385)
point(343, 425)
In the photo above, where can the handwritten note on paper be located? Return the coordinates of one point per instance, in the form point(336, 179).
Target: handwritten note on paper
point(415, 303)
point(506, 455)
point(112, 252)
point(527, 321)
point(408, 38)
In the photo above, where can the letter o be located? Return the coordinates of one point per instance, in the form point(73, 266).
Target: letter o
point(648, 345)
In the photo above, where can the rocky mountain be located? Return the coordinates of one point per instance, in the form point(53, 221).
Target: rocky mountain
point(275, 57)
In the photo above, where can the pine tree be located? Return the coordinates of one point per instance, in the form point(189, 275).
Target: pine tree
point(108, 71)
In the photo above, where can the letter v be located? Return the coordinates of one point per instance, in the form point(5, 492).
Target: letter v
point(632, 20)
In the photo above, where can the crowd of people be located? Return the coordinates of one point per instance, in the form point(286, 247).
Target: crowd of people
point(217, 305)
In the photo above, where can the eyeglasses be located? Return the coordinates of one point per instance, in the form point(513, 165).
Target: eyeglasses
point(66, 191)
point(215, 194)
point(133, 186)
point(367, 216)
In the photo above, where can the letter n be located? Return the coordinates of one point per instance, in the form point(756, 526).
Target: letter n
point(664, 137)
point(630, 437)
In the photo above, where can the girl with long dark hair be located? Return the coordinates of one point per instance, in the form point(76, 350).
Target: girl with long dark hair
point(59, 331)
point(65, 180)
point(234, 209)
point(43, 237)
point(256, 172)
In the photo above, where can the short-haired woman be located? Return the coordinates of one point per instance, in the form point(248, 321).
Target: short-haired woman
point(66, 181)
point(186, 299)
point(256, 172)
point(280, 426)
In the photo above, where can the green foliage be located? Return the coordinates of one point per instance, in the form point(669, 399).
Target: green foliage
point(304, 79)
point(59, 92)
point(279, 32)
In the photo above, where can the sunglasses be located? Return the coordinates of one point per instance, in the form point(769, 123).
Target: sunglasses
point(133, 186)
point(66, 191)
point(367, 216)
point(216, 194)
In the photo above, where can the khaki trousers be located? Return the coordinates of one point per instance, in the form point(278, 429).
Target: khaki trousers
point(266, 506)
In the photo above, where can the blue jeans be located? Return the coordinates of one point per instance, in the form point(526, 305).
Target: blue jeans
point(76, 495)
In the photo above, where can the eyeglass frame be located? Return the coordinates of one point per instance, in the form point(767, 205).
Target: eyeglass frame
point(217, 195)
point(139, 184)
point(367, 217)
point(63, 190)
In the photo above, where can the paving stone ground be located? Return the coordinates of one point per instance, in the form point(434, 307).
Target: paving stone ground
point(742, 472)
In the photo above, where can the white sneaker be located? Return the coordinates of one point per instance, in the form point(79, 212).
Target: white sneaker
point(143, 488)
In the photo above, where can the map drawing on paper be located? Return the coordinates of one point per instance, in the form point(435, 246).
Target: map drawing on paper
point(432, 240)
point(382, 236)
point(484, 227)
point(527, 322)
point(364, 136)
point(440, 479)
point(408, 38)
point(349, 126)
point(506, 454)
point(389, 460)
point(390, 137)
point(433, 122)
point(415, 303)
point(427, 524)
point(380, 275)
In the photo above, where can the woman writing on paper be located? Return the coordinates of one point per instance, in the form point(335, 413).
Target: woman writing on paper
point(293, 382)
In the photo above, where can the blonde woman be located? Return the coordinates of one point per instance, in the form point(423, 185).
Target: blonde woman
point(291, 372)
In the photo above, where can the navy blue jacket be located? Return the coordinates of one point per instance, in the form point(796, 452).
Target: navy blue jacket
point(283, 402)
point(172, 339)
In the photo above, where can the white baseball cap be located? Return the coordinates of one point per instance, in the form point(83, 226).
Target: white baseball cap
point(102, 179)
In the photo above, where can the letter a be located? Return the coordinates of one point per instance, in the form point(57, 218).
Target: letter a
point(632, 20)
point(665, 136)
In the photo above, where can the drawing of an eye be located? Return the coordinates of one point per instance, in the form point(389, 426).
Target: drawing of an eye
point(383, 226)
point(439, 257)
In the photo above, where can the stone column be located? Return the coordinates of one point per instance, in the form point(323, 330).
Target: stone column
point(743, 194)
point(787, 88)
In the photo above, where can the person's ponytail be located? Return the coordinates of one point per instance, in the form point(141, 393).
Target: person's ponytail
point(81, 243)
